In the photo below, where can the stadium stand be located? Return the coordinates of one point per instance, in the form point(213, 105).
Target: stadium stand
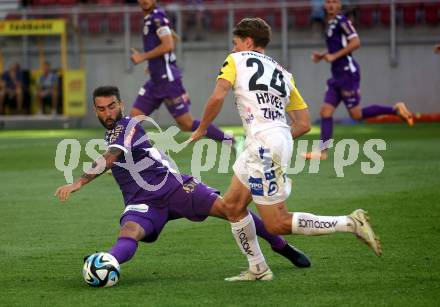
point(432, 13)
point(366, 15)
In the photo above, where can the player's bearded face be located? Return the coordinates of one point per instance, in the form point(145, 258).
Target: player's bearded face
point(109, 111)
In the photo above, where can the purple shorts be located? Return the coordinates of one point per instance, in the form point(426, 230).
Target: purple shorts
point(173, 94)
point(345, 87)
point(193, 201)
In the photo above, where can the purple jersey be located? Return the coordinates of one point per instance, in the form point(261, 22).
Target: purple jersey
point(163, 67)
point(142, 173)
point(338, 32)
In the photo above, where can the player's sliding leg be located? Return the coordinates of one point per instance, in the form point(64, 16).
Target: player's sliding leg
point(279, 221)
point(129, 235)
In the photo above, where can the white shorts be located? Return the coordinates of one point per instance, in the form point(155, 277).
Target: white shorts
point(263, 164)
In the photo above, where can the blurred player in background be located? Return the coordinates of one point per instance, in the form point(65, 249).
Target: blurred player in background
point(342, 40)
point(165, 194)
point(437, 48)
point(264, 91)
point(165, 84)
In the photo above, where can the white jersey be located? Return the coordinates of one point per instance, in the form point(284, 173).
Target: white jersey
point(263, 90)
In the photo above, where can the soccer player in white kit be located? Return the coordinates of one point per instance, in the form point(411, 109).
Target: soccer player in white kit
point(264, 93)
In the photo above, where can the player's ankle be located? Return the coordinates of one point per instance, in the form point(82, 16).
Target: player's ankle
point(258, 268)
point(350, 224)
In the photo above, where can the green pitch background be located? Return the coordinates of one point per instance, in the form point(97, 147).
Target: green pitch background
point(42, 242)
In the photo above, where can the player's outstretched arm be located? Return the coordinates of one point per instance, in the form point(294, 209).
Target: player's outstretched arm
point(99, 166)
point(300, 122)
point(212, 108)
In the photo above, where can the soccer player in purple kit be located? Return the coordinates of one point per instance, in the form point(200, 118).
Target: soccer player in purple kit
point(153, 192)
point(165, 84)
point(342, 40)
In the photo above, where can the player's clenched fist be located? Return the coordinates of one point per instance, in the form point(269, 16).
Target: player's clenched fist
point(317, 56)
point(136, 56)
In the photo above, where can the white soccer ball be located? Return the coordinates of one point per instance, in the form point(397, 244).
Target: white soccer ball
point(101, 270)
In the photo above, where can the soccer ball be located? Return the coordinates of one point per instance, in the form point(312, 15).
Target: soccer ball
point(101, 270)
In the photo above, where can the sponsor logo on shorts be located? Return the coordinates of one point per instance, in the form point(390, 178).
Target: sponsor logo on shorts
point(142, 208)
point(316, 224)
point(244, 242)
point(256, 186)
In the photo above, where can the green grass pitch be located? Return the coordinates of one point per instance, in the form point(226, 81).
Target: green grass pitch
point(42, 242)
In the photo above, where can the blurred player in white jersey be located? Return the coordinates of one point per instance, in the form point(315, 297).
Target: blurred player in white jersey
point(264, 93)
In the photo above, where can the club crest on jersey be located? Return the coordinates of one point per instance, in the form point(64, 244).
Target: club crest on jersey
point(256, 185)
point(158, 22)
point(190, 186)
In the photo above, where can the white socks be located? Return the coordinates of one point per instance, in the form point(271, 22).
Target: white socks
point(246, 237)
point(312, 225)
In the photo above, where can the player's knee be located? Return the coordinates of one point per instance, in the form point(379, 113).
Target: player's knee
point(185, 126)
point(356, 116)
point(132, 230)
point(325, 112)
point(233, 210)
point(356, 113)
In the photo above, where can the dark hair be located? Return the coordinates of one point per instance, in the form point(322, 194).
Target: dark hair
point(106, 91)
point(255, 28)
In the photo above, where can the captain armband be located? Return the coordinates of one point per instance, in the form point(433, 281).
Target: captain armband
point(163, 31)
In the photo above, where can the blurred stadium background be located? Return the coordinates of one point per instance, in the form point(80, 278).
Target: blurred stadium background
point(396, 57)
